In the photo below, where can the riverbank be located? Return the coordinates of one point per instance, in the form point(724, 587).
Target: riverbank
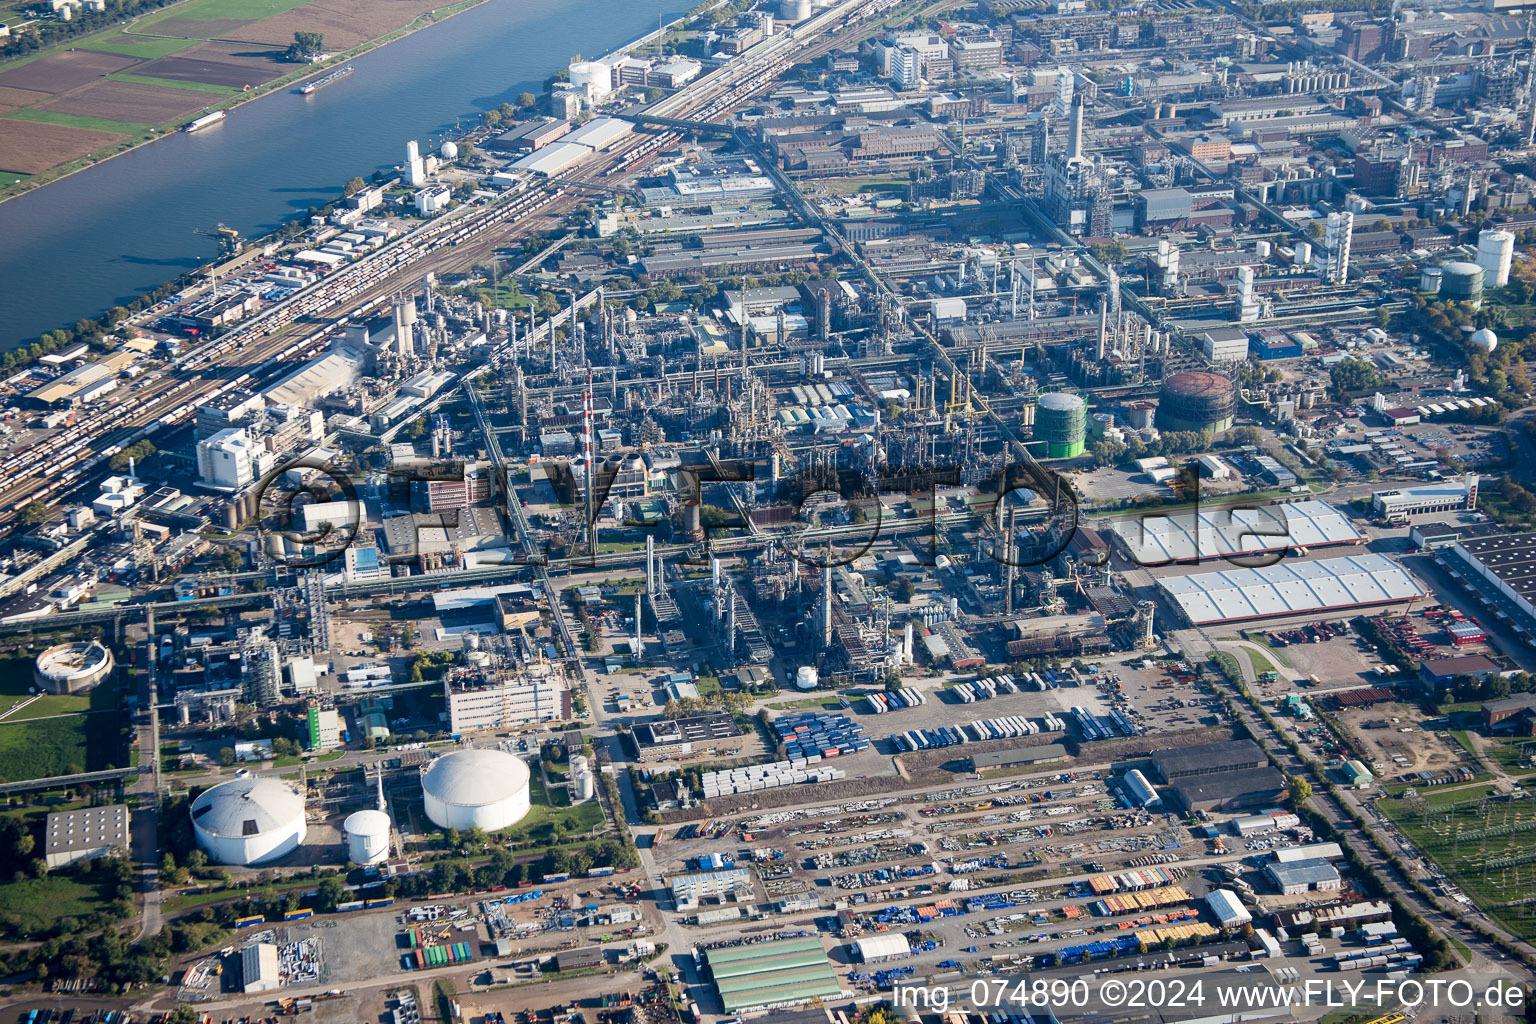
point(127, 224)
point(154, 133)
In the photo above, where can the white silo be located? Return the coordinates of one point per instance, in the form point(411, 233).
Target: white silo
point(367, 837)
point(794, 10)
point(579, 763)
point(583, 785)
point(592, 77)
point(1495, 253)
point(471, 788)
point(249, 820)
point(415, 168)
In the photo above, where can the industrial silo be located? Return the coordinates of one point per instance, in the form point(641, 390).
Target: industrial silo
point(1197, 400)
point(367, 837)
point(1462, 281)
point(594, 78)
point(249, 820)
point(794, 10)
point(1430, 279)
point(470, 788)
point(1061, 421)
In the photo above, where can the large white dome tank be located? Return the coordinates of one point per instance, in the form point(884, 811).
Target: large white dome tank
point(472, 788)
point(806, 677)
point(367, 837)
point(249, 820)
point(593, 77)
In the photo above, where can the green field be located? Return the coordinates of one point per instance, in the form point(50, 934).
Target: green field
point(97, 124)
point(43, 748)
point(1483, 843)
point(220, 10)
point(170, 83)
point(37, 903)
point(129, 45)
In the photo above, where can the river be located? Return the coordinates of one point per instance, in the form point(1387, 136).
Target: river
point(79, 245)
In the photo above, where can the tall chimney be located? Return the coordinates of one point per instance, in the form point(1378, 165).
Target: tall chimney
point(1075, 130)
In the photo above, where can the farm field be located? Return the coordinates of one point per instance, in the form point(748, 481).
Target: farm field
point(1484, 843)
point(123, 85)
point(30, 147)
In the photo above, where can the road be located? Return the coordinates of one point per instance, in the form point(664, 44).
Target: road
point(1369, 843)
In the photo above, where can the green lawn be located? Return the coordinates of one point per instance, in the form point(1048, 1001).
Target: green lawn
point(1260, 663)
point(129, 45)
point(16, 681)
point(97, 124)
point(170, 83)
point(37, 903)
point(1258, 638)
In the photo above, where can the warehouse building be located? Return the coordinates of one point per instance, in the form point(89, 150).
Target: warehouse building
point(1208, 759)
point(688, 891)
point(1204, 536)
point(258, 968)
point(1399, 504)
point(769, 974)
point(1043, 754)
point(1304, 876)
point(85, 834)
point(1515, 712)
point(553, 159)
point(692, 735)
point(1289, 588)
point(1506, 562)
point(1437, 672)
point(1228, 909)
point(885, 946)
point(581, 959)
point(1311, 851)
point(1228, 791)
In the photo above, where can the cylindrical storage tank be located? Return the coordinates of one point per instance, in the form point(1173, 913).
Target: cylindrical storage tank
point(1430, 279)
point(806, 677)
point(584, 787)
point(1261, 250)
point(1462, 281)
point(470, 788)
point(72, 668)
point(579, 764)
point(1197, 400)
point(232, 516)
point(249, 820)
point(595, 78)
point(367, 837)
point(1061, 421)
point(1303, 253)
point(1495, 253)
point(794, 10)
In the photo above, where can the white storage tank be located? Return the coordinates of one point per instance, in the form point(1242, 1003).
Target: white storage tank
point(794, 10)
point(367, 837)
point(584, 784)
point(249, 820)
point(579, 764)
point(471, 788)
point(806, 677)
point(592, 77)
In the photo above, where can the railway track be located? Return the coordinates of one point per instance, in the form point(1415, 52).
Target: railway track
point(275, 339)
